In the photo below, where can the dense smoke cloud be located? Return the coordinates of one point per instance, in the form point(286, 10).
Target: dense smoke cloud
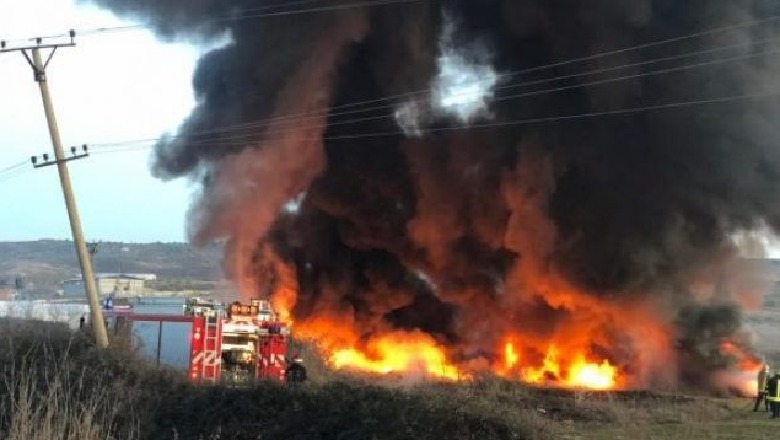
point(471, 233)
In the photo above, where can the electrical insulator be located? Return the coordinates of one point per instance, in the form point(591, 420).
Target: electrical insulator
point(34, 159)
point(73, 150)
point(45, 157)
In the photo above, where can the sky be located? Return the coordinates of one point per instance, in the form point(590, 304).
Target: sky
point(110, 87)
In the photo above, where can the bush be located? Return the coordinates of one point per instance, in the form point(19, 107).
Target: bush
point(56, 385)
point(52, 387)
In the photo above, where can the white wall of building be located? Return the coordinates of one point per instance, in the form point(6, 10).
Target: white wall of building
point(44, 311)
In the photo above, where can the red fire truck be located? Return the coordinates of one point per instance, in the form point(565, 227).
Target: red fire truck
point(239, 344)
point(235, 344)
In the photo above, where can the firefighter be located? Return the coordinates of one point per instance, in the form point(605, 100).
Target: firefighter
point(763, 376)
point(296, 372)
point(773, 394)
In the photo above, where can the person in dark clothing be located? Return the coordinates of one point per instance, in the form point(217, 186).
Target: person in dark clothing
point(763, 376)
point(82, 322)
point(773, 395)
point(296, 372)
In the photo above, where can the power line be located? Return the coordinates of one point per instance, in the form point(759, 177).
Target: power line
point(639, 75)
point(282, 5)
point(592, 57)
point(513, 122)
point(240, 136)
point(562, 118)
point(242, 15)
point(325, 9)
point(297, 118)
point(13, 171)
point(9, 176)
point(14, 166)
point(556, 64)
point(273, 128)
point(291, 118)
point(550, 119)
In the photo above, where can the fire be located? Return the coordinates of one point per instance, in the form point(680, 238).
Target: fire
point(563, 361)
point(392, 352)
point(282, 303)
point(594, 376)
point(744, 379)
point(580, 372)
point(746, 361)
point(510, 356)
point(398, 352)
point(285, 295)
point(590, 342)
point(419, 353)
point(550, 368)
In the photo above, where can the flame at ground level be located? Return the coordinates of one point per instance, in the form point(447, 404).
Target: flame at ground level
point(391, 352)
point(566, 359)
point(596, 376)
point(743, 379)
point(417, 353)
point(579, 373)
point(398, 352)
point(591, 343)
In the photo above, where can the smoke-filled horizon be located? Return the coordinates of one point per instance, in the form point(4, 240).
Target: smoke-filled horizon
point(592, 233)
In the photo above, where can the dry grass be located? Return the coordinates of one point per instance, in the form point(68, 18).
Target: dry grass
point(733, 427)
point(55, 385)
point(57, 412)
point(42, 400)
point(621, 415)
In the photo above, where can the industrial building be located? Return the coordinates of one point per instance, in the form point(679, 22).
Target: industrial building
point(141, 276)
point(118, 285)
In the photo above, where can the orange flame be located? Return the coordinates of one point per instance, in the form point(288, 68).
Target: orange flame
point(282, 303)
point(746, 361)
point(562, 354)
point(564, 363)
point(745, 379)
point(418, 353)
point(510, 356)
point(391, 352)
point(595, 376)
point(398, 352)
point(580, 372)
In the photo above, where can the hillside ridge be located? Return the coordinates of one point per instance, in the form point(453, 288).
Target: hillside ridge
point(46, 263)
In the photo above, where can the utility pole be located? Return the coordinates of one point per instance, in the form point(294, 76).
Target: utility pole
point(87, 275)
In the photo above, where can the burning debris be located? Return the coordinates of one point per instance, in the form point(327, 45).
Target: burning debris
point(439, 230)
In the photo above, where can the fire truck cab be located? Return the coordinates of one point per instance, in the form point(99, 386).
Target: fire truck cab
point(237, 344)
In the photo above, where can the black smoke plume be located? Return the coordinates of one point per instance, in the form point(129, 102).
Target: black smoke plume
point(442, 226)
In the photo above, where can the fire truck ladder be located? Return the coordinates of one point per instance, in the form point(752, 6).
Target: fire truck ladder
point(211, 355)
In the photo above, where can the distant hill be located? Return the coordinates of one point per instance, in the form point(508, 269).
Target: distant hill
point(48, 262)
